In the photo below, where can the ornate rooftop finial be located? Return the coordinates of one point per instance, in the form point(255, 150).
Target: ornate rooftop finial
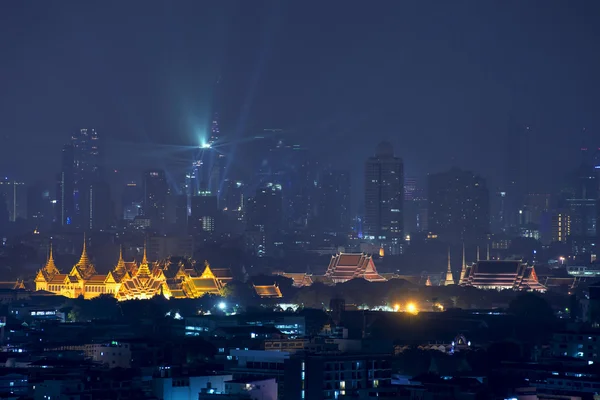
point(145, 258)
point(144, 268)
point(50, 267)
point(463, 270)
point(121, 263)
point(449, 278)
point(84, 260)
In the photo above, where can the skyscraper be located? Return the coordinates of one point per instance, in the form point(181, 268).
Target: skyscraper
point(86, 173)
point(99, 208)
point(459, 206)
point(86, 154)
point(16, 199)
point(66, 187)
point(582, 206)
point(131, 201)
point(334, 207)
point(384, 199)
point(264, 218)
point(204, 214)
point(156, 192)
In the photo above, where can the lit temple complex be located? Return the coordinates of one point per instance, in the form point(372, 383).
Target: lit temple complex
point(344, 267)
point(501, 275)
point(130, 280)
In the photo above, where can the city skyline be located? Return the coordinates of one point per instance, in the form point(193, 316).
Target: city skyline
point(414, 107)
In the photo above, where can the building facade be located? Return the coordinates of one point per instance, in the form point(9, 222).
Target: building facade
point(178, 278)
point(459, 207)
point(384, 199)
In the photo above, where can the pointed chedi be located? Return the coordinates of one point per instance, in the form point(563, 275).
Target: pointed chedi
point(50, 267)
point(449, 278)
point(463, 270)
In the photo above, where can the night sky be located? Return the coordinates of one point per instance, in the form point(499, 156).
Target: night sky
point(444, 81)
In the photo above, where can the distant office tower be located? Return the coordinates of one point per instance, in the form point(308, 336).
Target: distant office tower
point(334, 209)
point(561, 227)
point(181, 213)
point(517, 177)
point(132, 200)
point(204, 214)
point(498, 212)
point(232, 199)
point(582, 206)
point(3, 212)
point(410, 189)
point(86, 172)
point(66, 187)
point(99, 209)
point(156, 191)
point(232, 205)
point(459, 206)
point(39, 206)
point(264, 218)
point(16, 199)
point(86, 154)
point(384, 199)
point(293, 168)
point(415, 207)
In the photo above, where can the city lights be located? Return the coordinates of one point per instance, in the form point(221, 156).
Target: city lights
point(411, 308)
point(222, 305)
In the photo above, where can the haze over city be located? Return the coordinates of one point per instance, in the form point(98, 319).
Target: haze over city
point(284, 200)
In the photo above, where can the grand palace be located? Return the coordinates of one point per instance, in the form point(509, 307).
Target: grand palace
point(130, 280)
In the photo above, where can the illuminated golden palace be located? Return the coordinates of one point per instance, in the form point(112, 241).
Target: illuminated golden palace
point(130, 280)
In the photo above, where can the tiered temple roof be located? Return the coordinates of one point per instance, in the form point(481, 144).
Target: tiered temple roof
point(346, 266)
point(197, 286)
point(300, 279)
point(513, 275)
point(268, 291)
point(12, 285)
point(130, 280)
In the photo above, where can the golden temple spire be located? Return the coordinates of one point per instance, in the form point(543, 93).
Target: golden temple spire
point(50, 267)
point(121, 263)
point(145, 258)
point(207, 271)
point(449, 278)
point(463, 270)
point(84, 261)
point(144, 268)
point(428, 282)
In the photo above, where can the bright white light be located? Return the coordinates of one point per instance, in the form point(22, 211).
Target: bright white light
point(205, 145)
point(222, 305)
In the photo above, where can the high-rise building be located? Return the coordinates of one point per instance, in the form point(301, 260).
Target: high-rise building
point(39, 206)
point(131, 201)
point(66, 187)
point(86, 154)
point(517, 177)
point(204, 214)
point(99, 209)
point(334, 210)
point(264, 218)
point(86, 172)
point(582, 206)
point(16, 199)
point(561, 227)
point(156, 191)
point(384, 199)
point(459, 206)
